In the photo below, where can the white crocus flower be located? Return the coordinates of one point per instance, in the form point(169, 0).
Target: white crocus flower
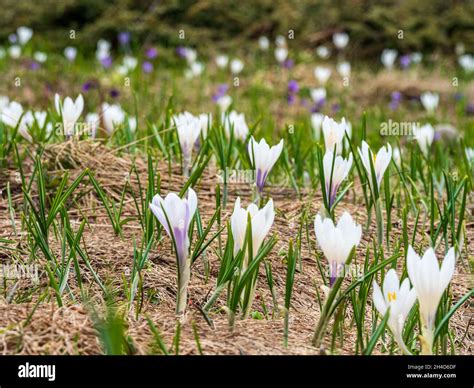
point(112, 116)
point(130, 62)
point(261, 220)
point(175, 215)
point(263, 158)
point(280, 41)
point(263, 43)
point(24, 34)
point(4, 101)
point(337, 242)
point(466, 61)
point(335, 176)
point(400, 299)
point(12, 116)
point(14, 51)
point(470, 155)
point(70, 53)
point(103, 49)
point(430, 281)
point(222, 61)
point(236, 66)
point(397, 156)
point(388, 58)
point(70, 112)
point(333, 134)
point(281, 53)
point(206, 122)
point(40, 117)
point(323, 52)
point(236, 122)
point(344, 69)
point(322, 74)
point(93, 122)
point(424, 136)
point(40, 56)
point(340, 40)
point(316, 123)
point(188, 128)
point(429, 101)
point(380, 161)
point(190, 55)
point(318, 94)
point(224, 102)
point(195, 70)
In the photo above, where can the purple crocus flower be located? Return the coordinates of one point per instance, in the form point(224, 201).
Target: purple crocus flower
point(335, 107)
point(181, 51)
point(293, 87)
point(458, 96)
point(12, 38)
point(124, 38)
point(106, 62)
point(34, 65)
point(151, 53)
point(405, 61)
point(114, 93)
point(470, 108)
point(147, 67)
point(291, 98)
point(288, 63)
point(396, 98)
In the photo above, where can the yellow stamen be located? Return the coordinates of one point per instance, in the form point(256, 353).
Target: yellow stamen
point(392, 296)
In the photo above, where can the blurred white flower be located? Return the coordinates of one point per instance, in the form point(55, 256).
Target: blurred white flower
point(263, 158)
point(469, 154)
point(335, 176)
point(222, 61)
point(93, 122)
point(322, 74)
point(14, 51)
point(11, 116)
point(281, 53)
point(280, 41)
point(388, 58)
point(4, 101)
point(340, 40)
point(236, 66)
point(70, 112)
point(236, 122)
point(466, 61)
point(344, 69)
point(316, 123)
point(24, 34)
point(400, 299)
point(103, 50)
point(112, 116)
point(188, 127)
point(429, 101)
point(190, 55)
point(416, 57)
point(336, 242)
point(397, 156)
point(318, 94)
point(380, 161)
point(424, 136)
point(323, 52)
point(263, 43)
point(130, 62)
point(40, 56)
point(195, 70)
point(224, 102)
point(70, 53)
point(206, 122)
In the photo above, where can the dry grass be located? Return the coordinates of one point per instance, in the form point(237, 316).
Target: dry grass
point(44, 328)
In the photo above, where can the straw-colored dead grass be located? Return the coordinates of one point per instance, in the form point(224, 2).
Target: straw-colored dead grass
point(29, 327)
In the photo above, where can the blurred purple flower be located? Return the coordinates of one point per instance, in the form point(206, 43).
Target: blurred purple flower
point(124, 38)
point(88, 85)
point(114, 93)
point(335, 107)
point(151, 53)
point(470, 108)
point(293, 87)
point(34, 65)
point(12, 38)
point(437, 136)
point(405, 61)
point(396, 98)
point(181, 51)
point(304, 102)
point(291, 99)
point(458, 96)
point(221, 91)
point(106, 62)
point(147, 67)
point(288, 63)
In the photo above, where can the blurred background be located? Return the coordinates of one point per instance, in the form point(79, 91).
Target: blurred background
point(430, 27)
